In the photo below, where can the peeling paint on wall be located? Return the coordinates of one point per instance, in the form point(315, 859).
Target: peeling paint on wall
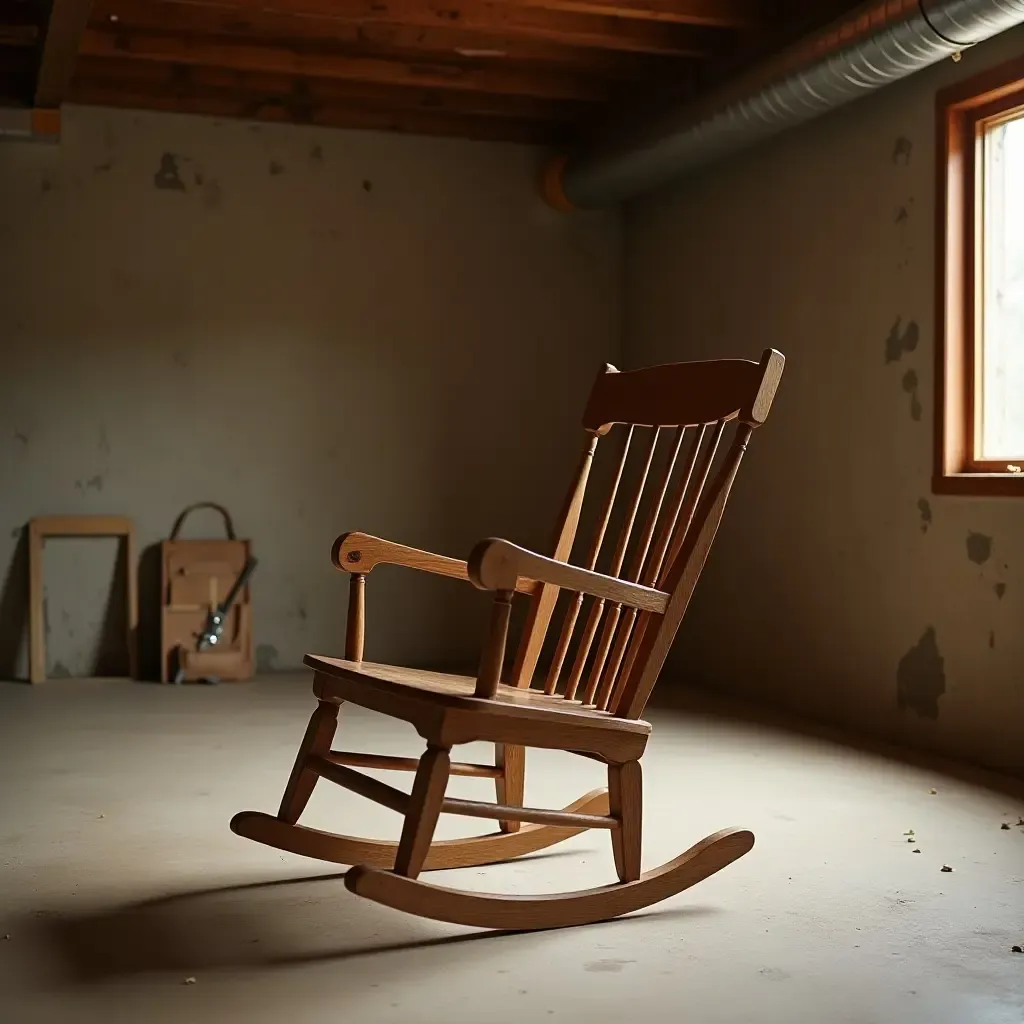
point(921, 677)
point(60, 671)
point(910, 386)
point(979, 548)
point(266, 657)
point(168, 176)
point(901, 150)
point(925, 508)
point(900, 341)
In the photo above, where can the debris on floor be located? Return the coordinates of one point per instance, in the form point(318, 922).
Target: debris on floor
point(1020, 821)
point(915, 851)
point(1005, 826)
point(1017, 949)
point(909, 832)
point(7, 936)
point(934, 791)
point(190, 981)
point(946, 867)
point(911, 840)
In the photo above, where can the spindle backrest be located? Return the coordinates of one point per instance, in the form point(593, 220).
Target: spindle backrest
point(686, 410)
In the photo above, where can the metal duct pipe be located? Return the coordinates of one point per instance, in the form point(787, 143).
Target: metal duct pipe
point(877, 43)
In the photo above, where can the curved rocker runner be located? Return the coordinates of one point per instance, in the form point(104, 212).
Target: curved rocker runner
point(607, 655)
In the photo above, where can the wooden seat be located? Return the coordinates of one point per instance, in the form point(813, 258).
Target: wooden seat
point(619, 606)
point(416, 696)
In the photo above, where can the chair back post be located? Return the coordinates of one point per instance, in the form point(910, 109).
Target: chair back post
point(542, 603)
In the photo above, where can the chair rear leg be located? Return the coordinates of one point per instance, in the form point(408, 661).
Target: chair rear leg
point(511, 759)
point(424, 808)
point(317, 740)
point(625, 802)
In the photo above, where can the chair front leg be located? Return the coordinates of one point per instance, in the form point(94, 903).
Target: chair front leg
point(625, 802)
point(317, 740)
point(424, 808)
point(510, 785)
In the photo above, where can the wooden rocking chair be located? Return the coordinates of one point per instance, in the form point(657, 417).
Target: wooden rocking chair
point(593, 711)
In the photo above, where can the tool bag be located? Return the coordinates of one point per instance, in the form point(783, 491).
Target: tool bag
point(196, 575)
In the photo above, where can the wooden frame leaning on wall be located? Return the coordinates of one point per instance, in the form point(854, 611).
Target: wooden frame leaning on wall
point(964, 111)
point(76, 526)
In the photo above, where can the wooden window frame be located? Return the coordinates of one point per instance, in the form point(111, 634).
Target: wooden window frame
point(960, 110)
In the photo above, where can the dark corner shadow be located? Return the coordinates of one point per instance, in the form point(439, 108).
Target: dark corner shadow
point(150, 605)
point(210, 929)
point(14, 613)
point(694, 701)
point(112, 658)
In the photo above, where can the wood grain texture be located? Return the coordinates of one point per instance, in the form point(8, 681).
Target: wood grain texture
point(317, 740)
point(357, 759)
point(442, 708)
point(682, 579)
point(361, 552)
point(537, 815)
point(626, 803)
point(497, 564)
point(370, 788)
point(720, 13)
point(542, 603)
point(679, 394)
point(41, 527)
point(552, 910)
point(425, 803)
point(355, 623)
point(485, 18)
point(961, 110)
point(64, 32)
point(309, 63)
point(473, 851)
point(492, 659)
point(510, 784)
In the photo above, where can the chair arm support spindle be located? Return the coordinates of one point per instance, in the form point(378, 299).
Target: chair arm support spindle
point(493, 658)
point(355, 628)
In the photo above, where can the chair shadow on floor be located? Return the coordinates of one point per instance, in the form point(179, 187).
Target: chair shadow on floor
point(280, 923)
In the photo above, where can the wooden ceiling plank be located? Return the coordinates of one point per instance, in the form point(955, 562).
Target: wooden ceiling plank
point(569, 28)
point(734, 14)
point(247, 57)
point(377, 39)
point(337, 115)
point(136, 76)
point(68, 20)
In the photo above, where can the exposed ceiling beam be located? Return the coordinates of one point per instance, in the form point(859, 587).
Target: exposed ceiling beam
point(466, 75)
point(335, 115)
point(68, 19)
point(305, 95)
point(738, 14)
point(441, 42)
point(571, 28)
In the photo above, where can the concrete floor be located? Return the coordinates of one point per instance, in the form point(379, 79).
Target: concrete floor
point(121, 878)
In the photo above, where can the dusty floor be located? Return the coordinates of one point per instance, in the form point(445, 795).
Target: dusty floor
point(120, 879)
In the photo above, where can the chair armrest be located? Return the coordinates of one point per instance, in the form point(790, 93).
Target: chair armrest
point(360, 552)
point(500, 565)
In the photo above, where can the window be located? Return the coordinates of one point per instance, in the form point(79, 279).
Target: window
point(980, 372)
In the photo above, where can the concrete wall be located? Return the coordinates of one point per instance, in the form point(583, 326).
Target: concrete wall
point(322, 330)
point(839, 586)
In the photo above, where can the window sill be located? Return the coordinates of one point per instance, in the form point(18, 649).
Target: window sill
point(981, 485)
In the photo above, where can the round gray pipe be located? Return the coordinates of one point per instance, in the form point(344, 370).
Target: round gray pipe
point(875, 44)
